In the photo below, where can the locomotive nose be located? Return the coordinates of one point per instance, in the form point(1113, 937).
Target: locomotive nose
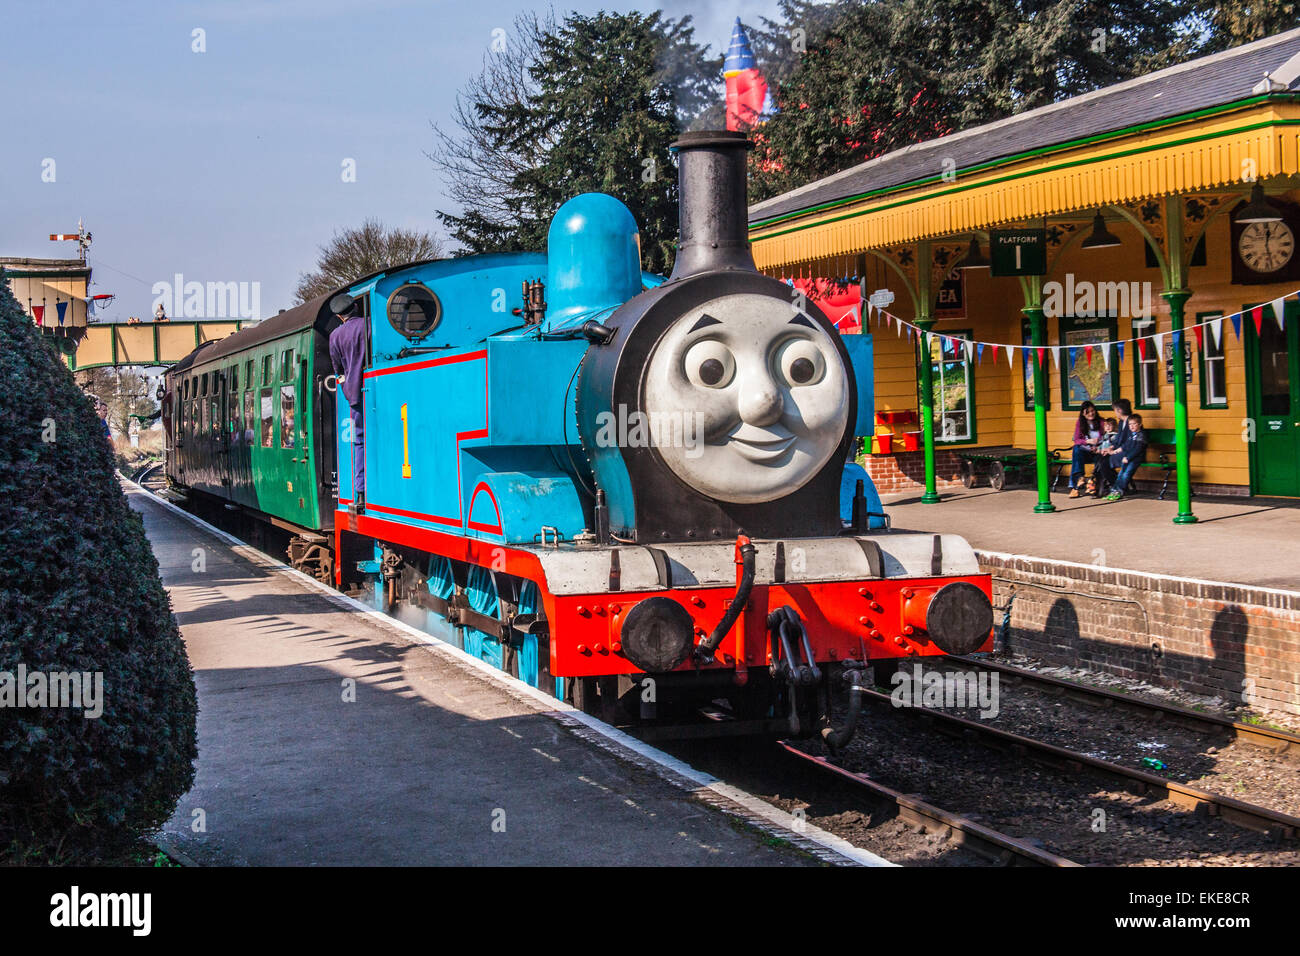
point(957, 617)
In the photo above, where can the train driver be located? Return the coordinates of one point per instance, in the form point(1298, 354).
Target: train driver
point(349, 347)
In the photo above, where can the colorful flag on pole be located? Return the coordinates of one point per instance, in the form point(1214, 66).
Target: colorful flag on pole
point(746, 88)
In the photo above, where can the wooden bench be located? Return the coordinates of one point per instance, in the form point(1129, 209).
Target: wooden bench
point(1163, 442)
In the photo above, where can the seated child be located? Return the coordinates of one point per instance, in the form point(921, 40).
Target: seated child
point(1132, 451)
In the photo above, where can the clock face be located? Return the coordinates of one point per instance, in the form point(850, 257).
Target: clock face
point(1266, 246)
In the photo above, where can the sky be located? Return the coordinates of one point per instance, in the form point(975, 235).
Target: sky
point(227, 165)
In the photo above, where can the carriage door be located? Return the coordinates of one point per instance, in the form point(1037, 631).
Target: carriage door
point(1273, 400)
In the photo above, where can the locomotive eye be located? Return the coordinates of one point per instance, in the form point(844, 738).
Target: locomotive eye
point(710, 364)
point(801, 362)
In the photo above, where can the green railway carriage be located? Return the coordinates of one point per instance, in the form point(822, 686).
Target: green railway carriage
point(250, 421)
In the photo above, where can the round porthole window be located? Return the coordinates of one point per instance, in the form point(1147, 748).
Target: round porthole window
point(414, 311)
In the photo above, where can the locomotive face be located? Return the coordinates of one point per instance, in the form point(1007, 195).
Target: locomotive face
point(767, 388)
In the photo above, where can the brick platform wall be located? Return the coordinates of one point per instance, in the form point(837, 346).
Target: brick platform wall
point(1236, 642)
point(905, 470)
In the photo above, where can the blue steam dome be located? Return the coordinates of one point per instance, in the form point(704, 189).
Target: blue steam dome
point(593, 259)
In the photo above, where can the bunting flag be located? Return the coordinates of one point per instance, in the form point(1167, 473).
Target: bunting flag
point(1176, 337)
point(1105, 355)
point(994, 354)
point(1142, 349)
point(1073, 351)
point(1257, 314)
point(1042, 357)
point(1056, 357)
point(62, 309)
point(38, 313)
point(1216, 329)
point(1119, 349)
point(1236, 325)
point(970, 350)
point(1011, 356)
point(1087, 354)
point(1279, 310)
point(979, 353)
point(1198, 331)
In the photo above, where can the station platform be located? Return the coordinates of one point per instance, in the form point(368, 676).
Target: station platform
point(1249, 541)
point(327, 737)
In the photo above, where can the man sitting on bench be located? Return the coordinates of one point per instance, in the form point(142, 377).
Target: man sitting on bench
point(1123, 461)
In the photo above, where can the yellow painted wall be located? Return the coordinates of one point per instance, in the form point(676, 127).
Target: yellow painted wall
point(30, 291)
point(993, 308)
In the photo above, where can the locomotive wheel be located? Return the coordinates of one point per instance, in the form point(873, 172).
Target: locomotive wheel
point(997, 476)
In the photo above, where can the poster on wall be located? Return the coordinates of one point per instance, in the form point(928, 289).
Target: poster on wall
point(1027, 369)
point(1169, 362)
point(951, 302)
point(1087, 378)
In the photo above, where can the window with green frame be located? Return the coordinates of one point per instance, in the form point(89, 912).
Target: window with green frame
point(952, 386)
point(1146, 368)
point(1213, 367)
point(1084, 377)
point(266, 369)
point(286, 365)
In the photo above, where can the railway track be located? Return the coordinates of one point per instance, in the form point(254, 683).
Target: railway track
point(1278, 741)
point(1277, 825)
point(989, 843)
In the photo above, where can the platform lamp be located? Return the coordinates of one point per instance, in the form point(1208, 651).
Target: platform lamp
point(1258, 209)
point(1101, 238)
point(975, 258)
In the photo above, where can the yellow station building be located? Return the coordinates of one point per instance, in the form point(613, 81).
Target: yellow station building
point(1142, 209)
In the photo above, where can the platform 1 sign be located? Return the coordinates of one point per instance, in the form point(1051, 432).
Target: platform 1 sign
point(1019, 252)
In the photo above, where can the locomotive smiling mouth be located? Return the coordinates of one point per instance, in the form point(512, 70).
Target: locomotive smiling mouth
point(761, 445)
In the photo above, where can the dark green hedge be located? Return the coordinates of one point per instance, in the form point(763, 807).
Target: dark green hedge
point(79, 591)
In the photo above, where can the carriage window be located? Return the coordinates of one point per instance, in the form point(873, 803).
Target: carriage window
point(267, 410)
point(203, 384)
point(286, 365)
point(266, 370)
point(248, 374)
point(413, 310)
point(286, 416)
point(234, 378)
point(248, 415)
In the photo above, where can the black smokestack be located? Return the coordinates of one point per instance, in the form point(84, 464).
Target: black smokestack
point(713, 205)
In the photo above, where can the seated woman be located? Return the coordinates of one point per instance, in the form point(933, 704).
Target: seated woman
point(1087, 435)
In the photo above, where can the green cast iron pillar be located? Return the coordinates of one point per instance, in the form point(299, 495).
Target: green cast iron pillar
point(1038, 338)
point(1176, 302)
point(927, 410)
